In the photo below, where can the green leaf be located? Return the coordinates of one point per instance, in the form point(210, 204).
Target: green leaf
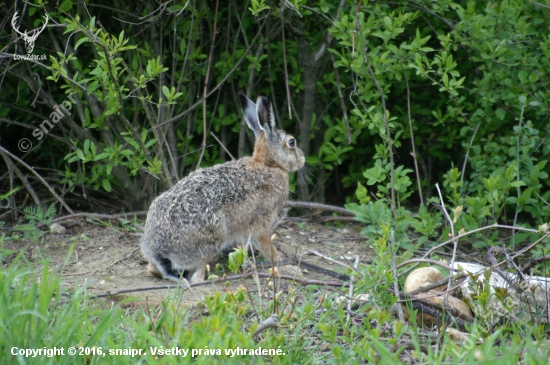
point(362, 194)
point(101, 156)
point(523, 75)
point(66, 6)
point(6, 195)
point(511, 171)
point(80, 41)
point(236, 259)
point(151, 143)
point(166, 91)
point(133, 143)
point(525, 197)
point(106, 185)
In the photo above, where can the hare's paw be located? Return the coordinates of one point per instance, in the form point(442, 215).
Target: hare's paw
point(198, 275)
point(153, 270)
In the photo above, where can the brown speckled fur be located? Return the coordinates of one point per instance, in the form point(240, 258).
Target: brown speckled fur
point(212, 208)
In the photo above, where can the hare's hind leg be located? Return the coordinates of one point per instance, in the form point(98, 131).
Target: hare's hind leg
point(263, 243)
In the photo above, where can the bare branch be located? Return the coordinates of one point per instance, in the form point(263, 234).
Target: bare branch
point(39, 178)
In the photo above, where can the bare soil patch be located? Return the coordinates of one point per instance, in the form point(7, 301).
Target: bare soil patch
point(108, 258)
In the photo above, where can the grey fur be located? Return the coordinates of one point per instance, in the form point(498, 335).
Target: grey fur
point(212, 208)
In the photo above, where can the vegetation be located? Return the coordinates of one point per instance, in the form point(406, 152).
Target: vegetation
point(455, 76)
point(428, 119)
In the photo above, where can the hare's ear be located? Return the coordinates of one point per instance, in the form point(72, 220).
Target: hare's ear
point(265, 112)
point(250, 114)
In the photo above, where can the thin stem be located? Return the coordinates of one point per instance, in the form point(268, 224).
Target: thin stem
point(351, 284)
point(412, 133)
point(468, 152)
point(222, 82)
point(221, 144)
point(338, 83)
point(212, 46)
point(395, 278)
point(285, 67)
point(518, 136)
point(455, 241)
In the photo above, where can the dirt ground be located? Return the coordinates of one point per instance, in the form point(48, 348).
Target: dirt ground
point(108, 257)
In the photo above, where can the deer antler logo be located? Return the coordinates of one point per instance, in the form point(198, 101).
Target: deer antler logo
point(29, 38)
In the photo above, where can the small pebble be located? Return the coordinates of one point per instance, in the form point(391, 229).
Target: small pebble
point(57, 228)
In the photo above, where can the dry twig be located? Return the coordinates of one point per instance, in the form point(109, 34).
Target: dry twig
point(393, 249)
point(307, 205)
point(39, 178)
point(270, 322)
point(352, 281)
point(455, 240)
point(222, 280)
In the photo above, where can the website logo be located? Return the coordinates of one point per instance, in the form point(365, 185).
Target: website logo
point(29, 39)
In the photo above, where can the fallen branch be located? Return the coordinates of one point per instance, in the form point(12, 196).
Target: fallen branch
point(220, 280)
point(496, 225)
point(410, 296)
point(335, 218)
point(100, 216)
point(493, 261)
point(96, 216)
point(445, 308)
point(436, 284)
point(298, 262)
point(328, 258)
point(433, 262)
point(539, 260)
point(306, 205)
point(429, 308)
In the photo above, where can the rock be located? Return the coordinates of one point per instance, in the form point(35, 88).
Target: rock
point(57, 228)
point(421, 277)
point(292, 270)
point(357, 300)
point(456, 335)
point(428, 275)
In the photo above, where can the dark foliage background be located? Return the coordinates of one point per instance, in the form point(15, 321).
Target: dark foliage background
point(463, 82)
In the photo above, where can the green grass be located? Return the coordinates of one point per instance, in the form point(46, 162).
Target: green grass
point(37, 312)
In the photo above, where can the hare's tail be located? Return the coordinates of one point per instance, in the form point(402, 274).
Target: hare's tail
point(159, 265)
point(166, 269)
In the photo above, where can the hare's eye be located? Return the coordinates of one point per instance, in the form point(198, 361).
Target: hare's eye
point(292, 143)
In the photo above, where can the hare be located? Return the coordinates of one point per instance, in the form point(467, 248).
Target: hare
point(209, 210)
